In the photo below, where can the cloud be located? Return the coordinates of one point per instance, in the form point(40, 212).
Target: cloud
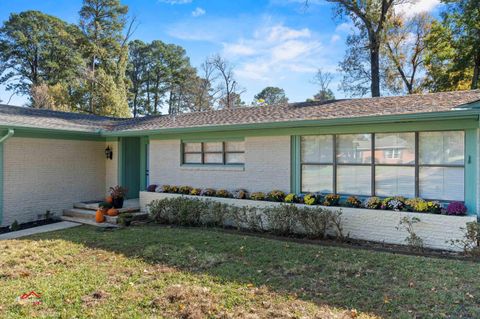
point(198, 12)
point(275, 51)
point(175, 1)
point(419, 6)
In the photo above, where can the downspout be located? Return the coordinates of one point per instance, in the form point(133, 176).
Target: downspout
point(9, 134)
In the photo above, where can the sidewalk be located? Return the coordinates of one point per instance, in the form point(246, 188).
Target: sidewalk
point(38, 230)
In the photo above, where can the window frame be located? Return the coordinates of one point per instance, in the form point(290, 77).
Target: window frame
point(202, 152)
point(416, 165)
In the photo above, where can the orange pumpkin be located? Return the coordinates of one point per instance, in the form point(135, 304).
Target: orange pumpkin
point(99, 218)
point(112, 212)
point(109, 199)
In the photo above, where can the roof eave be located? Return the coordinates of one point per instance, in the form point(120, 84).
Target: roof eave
point(375, 119)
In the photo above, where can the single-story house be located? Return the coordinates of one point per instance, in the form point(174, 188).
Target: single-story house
point(416, 146)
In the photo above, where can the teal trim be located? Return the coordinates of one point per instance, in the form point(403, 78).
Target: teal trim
point(295, 178)
point(471, 170)
point(32, 132)
point(459, 124)
point(377, 119)
point(143, 163)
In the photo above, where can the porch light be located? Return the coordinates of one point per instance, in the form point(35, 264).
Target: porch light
point(109, 152)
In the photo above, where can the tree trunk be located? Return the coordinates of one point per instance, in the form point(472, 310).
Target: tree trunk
point(375, 67)
point(476, 71)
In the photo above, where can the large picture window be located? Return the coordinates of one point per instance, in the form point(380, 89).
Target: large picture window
point(425, 164)
point(214, 153)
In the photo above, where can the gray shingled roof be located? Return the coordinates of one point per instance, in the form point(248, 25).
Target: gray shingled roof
point(347, 108)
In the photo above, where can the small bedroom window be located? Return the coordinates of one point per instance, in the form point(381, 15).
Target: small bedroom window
point(214, 153)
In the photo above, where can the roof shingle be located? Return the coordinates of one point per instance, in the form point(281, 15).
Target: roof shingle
point(347, 108)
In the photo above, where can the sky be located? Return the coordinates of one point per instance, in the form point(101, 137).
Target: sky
point(269, 42)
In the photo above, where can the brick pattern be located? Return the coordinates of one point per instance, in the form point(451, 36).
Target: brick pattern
point(50, 174)
point(267, 166)
point(365, 224)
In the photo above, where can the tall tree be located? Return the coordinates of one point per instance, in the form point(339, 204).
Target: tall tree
point(370, 18)
point(103, 22)
point(271, 95)
point(228, 86)
point(323, 80)
point(405, 52)
point(137, 73)
point(37, 49)
point(453, 48)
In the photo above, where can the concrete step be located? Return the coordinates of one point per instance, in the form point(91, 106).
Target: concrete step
point(94, 207)
point(87, 215)
point(88, 221)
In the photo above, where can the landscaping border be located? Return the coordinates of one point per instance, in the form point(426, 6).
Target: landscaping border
point(436, 231)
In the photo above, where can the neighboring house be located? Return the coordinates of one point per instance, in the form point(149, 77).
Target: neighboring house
point(418, 145)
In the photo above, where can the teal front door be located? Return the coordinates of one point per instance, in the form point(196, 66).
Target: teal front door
point(131, 165)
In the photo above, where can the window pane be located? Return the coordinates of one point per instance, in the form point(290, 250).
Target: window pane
point(317, 178)
point(192, 147)
point(213, 158)
point(395, 148)
point(213, 147)
point(235, 158)
point(193, 158)
point(444, 183)
point(317, 149)
point(235, 146)
point(442, 147)
point(354, 148)
point(395, 181)
point(355, 180)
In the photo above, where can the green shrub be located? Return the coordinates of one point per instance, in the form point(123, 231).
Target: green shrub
point(195, 191)
point(353, 201)
point(276, 196)
point(178, 211)
point(257, 196)
point(290, 198)
point(223, 193)
point(470, 242)
point(282, 219)
point(373, 203)
point(186, 190)
point(310, 199)
point(14, 226)
point(331, 200)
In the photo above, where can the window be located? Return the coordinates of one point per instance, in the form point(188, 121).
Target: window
point(425, 164)
point(214, 153)
point(442, 165)
point(317, 163)
point(395, 164)
point(354, 158)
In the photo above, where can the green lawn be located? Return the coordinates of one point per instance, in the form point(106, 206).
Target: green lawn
point(151, 271)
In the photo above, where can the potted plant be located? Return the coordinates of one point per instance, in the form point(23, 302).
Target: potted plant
point(118, 194)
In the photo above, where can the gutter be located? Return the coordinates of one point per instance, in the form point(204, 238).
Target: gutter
point(9, 134)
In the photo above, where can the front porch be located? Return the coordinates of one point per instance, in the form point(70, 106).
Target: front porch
point(84, 213)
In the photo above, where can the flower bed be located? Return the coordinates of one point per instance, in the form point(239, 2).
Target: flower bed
point(436, 231)
point(396, 203)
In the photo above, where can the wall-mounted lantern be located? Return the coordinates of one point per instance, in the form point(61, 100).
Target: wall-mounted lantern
point(109, 152)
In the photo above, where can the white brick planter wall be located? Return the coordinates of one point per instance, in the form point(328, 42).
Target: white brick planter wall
point(367, 224)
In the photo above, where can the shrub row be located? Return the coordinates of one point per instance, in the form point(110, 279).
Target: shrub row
point(397, 203)
point(283, 220)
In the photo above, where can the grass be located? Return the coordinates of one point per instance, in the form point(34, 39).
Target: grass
point(152, 271)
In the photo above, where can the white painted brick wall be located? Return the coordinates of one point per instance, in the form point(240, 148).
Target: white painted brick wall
point(50, 174)
point(111, 166)
point(366, 224)
point(267, 166)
